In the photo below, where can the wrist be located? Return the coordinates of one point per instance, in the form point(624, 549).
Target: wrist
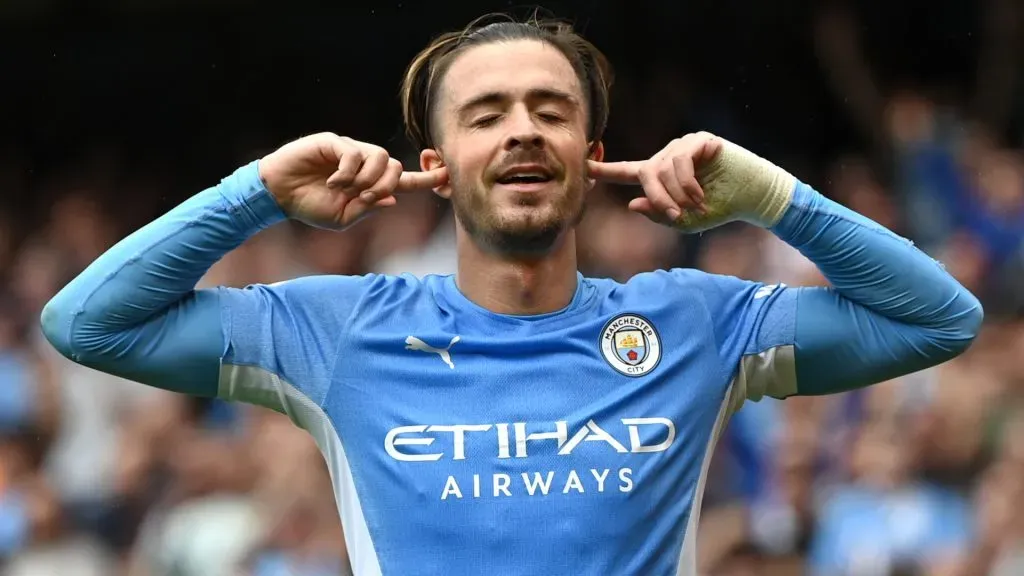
point(751, 188)
point(270, 176)
point(247, 190)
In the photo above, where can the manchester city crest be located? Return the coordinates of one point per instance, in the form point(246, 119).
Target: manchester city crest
point(630, 344)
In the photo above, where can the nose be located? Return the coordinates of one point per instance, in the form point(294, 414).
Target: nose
point(523, 131)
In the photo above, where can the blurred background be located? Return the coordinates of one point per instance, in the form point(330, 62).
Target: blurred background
point(910, 112)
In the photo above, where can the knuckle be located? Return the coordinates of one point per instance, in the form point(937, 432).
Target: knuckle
point(391, 171)
point(384, 185)
point(693, 139)
point(394, 169)
point(371, 150)
point(660, 200)
point(348, 164)
point(369, 176)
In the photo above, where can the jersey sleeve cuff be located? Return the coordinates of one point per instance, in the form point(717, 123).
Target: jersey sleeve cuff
point(254, 204)
point(791, 226)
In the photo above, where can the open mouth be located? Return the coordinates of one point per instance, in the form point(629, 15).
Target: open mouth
point(523, 179)
point(525, 175)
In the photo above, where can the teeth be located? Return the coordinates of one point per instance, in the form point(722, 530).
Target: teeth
point(526, 176)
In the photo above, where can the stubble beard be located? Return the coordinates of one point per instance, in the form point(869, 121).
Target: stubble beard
point(529, 235)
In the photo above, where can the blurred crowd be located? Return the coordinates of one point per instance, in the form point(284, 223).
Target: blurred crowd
point(920, 476)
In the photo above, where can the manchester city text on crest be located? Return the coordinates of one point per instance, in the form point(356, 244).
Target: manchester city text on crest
point(630, 344)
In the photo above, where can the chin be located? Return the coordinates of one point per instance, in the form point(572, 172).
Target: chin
point(526, 232)
point(530, 220)
point(525, 227)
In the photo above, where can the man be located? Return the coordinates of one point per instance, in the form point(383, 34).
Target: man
point(515, 417)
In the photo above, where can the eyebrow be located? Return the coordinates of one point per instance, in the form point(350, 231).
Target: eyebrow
point(496, 97)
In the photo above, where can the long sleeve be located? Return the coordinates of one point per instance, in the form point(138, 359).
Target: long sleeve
point(891, 310)
point(135, 312)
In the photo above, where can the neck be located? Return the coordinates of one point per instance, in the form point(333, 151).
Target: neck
point(513, 285)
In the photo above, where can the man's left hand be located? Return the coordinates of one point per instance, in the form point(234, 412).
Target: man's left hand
point(701, 181)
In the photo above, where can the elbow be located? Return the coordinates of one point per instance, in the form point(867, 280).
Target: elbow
point(976, 317)
point(78, 338)
point(69, 331)
point(55, 321)
point(962, 328)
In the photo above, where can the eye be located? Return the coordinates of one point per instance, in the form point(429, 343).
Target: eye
point(485, 121)
point(551, 117)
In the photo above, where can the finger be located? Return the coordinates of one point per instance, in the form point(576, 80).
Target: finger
point(412, 181)
point(644, 207)
point(375, 163)
point(356, 209)
point(659, 196)
point(385, 185)
point(684, 174)
point(385, 202)
point(667, 177)
point(351, 159)
point(710, 146)
point(615, 172)
point(328, 144)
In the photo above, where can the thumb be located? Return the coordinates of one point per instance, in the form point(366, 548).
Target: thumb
point(412, 181)
point(615, 172)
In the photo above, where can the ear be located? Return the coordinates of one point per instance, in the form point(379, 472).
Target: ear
point(597, 155)
point(431, 159)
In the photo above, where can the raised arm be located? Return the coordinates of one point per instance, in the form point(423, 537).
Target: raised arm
point(891, 310)
point(135, 312)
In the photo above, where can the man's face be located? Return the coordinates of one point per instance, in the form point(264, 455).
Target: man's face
point(512, 127)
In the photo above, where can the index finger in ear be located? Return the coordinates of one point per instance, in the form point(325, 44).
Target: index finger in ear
point(411, 181)
point(615, 172)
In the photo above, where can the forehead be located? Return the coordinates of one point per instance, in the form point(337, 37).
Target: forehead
point(514, 68)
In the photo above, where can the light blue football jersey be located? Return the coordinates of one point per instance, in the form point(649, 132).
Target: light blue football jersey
point(464, 442)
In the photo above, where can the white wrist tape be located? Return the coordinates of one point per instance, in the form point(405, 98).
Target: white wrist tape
point(740, 185)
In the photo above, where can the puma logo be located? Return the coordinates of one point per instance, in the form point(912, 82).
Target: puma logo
point(766, 291)
point(414, 343)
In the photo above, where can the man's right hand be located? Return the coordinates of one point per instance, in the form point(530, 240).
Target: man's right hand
point(330, 181)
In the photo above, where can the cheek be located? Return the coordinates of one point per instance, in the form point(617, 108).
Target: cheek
point(472, 155)
point(573, 153)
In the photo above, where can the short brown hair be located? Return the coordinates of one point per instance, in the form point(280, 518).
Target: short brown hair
point(427, 69)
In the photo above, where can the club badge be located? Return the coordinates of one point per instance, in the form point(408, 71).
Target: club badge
point(630, 344)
